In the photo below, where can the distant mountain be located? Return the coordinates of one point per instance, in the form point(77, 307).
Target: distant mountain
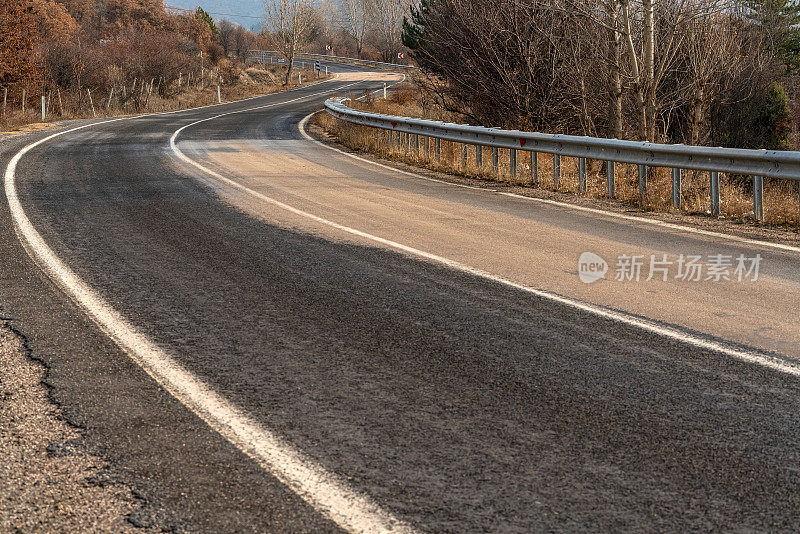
point(248, 13)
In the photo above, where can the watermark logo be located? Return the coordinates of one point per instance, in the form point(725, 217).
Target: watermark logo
point(591, 267)
point(664, 267)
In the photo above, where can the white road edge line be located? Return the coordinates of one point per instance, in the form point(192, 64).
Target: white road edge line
point(566, 205)
point(319, 488)
point(752, 357)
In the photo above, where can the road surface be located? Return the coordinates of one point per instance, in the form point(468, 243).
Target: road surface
point(263, 334)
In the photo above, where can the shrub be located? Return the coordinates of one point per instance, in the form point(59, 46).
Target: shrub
point(760, 121)
point(771, 121)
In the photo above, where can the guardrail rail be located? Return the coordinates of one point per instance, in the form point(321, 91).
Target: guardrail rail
point(757, 164)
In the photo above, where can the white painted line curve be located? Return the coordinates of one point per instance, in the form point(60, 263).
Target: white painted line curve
point(323, 491)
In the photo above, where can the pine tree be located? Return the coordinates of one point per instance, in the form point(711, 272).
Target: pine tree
point(415, 30)
point(203, 15)
point(780, 21)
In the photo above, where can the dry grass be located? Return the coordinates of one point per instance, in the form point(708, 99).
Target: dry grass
point(253, 82)
point(780, 196)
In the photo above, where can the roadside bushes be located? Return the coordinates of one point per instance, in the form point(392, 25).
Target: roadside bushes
point(701, 72)
point(18, 58)
point(88, 58)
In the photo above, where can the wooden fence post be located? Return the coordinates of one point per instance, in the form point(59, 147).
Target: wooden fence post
point(91, 103)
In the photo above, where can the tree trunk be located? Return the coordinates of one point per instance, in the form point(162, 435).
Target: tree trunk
point(651, 112)
point(648, 70)
point(615, 59)
point(290, 61)
point(637, 73)
point(696, 119)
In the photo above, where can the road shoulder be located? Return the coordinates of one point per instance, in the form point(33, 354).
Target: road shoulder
point(50, 481)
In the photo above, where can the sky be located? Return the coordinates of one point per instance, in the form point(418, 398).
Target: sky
point(248, 13)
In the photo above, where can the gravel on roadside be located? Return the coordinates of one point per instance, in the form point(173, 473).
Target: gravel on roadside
point(48, 481)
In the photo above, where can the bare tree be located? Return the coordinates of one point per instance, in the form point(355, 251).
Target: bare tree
point(290, 21)
point(651, 59)
point(713, 49)
point(385, 18)
point(606, 16)
point(242, 39)
point(327, 20)
point(226, 33)
point(355, 13)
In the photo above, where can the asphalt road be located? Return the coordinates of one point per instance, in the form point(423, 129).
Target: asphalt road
point(450, 401)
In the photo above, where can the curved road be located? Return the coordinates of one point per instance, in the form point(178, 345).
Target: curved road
point(380, 328)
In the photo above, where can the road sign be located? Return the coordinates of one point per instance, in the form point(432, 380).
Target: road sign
point(401, 55)
point(328, 47)
point(316, 66)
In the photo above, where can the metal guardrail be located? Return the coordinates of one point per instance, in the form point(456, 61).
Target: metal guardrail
point(301, 55)
point(755, 163)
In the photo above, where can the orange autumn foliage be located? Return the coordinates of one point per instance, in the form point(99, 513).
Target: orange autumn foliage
point(18, 52)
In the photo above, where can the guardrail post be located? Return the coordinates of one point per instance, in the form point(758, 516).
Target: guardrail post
point(399, 140)
point(676, 187)
point(438, 148)
point(535, 169)
point(758, 198)
point(478, 156)
point(416, 143)
point(408, 142)
point(581, 175)
point(512, 162)
point(556, 169)
point(642, 184)
point(714, 192)
point(427, 146)
point(611, 176)
point(496, 160)
point(464, 155)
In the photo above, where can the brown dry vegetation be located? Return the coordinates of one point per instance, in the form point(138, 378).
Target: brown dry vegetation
point(82, 59)
point(253, 81)
point(780, 196)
